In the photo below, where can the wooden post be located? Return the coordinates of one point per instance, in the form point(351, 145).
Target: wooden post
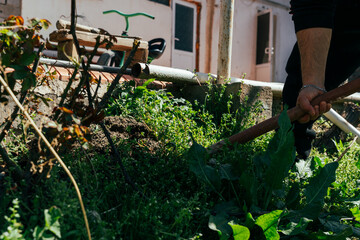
point(67, 51)
point(225, 40)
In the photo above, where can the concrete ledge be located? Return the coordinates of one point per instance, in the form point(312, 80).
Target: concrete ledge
point(242, 94)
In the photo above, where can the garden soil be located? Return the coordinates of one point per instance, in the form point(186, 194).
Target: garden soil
point(121, 128)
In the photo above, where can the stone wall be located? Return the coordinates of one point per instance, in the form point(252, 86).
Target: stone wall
point(241, 92)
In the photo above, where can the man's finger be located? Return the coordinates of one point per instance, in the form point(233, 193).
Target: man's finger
point(306, 106)
point(317, 113)
point(304, 119)
point(323, 107)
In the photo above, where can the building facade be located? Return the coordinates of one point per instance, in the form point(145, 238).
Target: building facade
point(263, 34)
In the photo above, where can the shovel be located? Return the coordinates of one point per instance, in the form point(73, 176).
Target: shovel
point(294, 114)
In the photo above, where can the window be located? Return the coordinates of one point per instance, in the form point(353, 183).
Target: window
point(3, 2)
point(165, 2)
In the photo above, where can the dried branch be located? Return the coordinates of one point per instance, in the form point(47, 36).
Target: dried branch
point(116, 81)
point(346, 150)
point(116, 156)
point(41, 135)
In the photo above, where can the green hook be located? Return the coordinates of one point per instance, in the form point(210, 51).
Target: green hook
point(126, 16)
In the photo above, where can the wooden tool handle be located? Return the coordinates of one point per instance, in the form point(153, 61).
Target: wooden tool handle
point(294, 114)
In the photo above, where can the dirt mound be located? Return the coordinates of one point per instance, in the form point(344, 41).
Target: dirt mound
point(120, 128)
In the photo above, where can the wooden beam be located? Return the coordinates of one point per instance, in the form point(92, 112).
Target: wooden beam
point(65, 41)
point(89, 40)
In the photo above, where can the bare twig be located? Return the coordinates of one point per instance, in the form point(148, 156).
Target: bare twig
point(346, 150)
point(97, 88)
point(117, 158)
point(85, 74)
point(86, 77)
point(66, 90)
point(116, 81)
point(51, 149)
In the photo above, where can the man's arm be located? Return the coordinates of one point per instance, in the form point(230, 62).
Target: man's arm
point(313, 46)
point(313, 21)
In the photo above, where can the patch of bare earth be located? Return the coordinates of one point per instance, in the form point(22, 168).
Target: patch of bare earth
point(123, 129)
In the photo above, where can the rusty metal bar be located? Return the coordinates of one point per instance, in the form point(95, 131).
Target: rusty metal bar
point(209, 33)
point(294, 114)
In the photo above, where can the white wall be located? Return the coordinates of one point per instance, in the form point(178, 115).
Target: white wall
point(91, 10)
point(244, 40)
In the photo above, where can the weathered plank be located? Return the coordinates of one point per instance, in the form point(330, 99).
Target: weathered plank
point(65, 42)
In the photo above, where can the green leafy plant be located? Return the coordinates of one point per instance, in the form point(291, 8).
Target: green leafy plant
point(14, 226)
point(51, 229)
point(296, 206)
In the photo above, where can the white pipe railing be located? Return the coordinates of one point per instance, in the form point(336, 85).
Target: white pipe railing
point(341, 123)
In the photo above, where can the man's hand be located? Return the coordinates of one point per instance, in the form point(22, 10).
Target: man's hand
point(303, 101)
point(313, 46)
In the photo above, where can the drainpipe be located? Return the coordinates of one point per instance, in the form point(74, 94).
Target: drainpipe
point(341, 123)
point(225, 40)
point(209, 31)
point(175, 75)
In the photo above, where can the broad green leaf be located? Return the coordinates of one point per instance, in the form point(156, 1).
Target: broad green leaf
point(20, 72)
point(48, 236)
point(249, 221)
point(356, 213)
point(219, 223)
point(27, 58)
point(197, 161)
point(268, 222)
point(296, 227)
point(293, 196)
point(38, 232)
point(52, 223)
point(317, 189)
point(356, 232)
point(227, 173)
point(332, 224)
point(256, 232)
point(6, 59)
point(28, 82)
point(328, 236)
point(280, 153)
point(250, 184)
point(240, 232)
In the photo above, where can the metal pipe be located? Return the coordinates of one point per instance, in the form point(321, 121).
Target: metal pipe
point(160, 73)
point(93, 67)
point(225, 40)
point(341, 123)
point(175, 75)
